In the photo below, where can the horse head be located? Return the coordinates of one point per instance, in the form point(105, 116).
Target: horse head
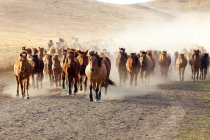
point(94, 60)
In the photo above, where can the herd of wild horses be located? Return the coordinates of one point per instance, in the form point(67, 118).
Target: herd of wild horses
point(73, 67)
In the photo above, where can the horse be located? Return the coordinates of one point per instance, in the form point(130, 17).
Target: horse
point(176, 55)
point(56, 70)
point(97, 74)
point(133, 67)
point(83, 61)
point(121, 65)
point(181, 63)
point(22, 72)
point(164, 63)
point(204, 64)
point(147, 64)
point(71, 69)
point(38, 67)
point(195, 64)
point(48, 66)
point(107, 63)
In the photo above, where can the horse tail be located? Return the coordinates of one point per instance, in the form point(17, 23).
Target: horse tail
point(110, 82)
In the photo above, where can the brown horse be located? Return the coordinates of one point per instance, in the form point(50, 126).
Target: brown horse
point(56, 70)
point(181, 63)
point(48, 66)
point(164, 62)
point(97, 73)
point(133, 67)
point(147, 65)
point(121, 65)
point(107, 63)
point(195, 64)
point(22, 72)
point(71, 69)
point(83, 61)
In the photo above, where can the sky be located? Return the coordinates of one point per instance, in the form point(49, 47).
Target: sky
point(124, 1)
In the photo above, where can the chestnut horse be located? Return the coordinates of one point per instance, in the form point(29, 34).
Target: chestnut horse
point(133, 67)
point(83, 61)
point(195, 64)
point(22, 72)
point(181, 63)
point(71, 69)
point(56, 70)
point(164, 62)
point(97, 73)
point(121, 65)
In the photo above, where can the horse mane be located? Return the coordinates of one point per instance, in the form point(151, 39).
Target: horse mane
point(99, 59)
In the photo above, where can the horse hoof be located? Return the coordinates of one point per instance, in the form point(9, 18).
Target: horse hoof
point(27, 97)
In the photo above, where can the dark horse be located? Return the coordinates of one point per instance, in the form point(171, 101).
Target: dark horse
point(195, 64)
point(204, 64)
point(71, 69)
point(121, 65)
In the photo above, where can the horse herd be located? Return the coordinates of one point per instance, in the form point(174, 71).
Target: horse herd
point(73, 67)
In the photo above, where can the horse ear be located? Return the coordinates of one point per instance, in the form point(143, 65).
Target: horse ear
point(86, 52)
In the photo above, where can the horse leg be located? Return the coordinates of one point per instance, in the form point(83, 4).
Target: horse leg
point(75, 85)
point(85, 84)
point(81, 82)
point(97, 89)
point(91, 94)
point(70, 83)
point(99, 94)
point(63, 78)
point(33, 81)
point(136, 75)
point(21, 86)
point(27, 87)
point(18, 82)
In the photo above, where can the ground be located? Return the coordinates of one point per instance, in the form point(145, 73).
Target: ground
point(166, 111)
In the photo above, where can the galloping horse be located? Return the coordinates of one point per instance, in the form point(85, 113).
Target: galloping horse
point(56, 69)
point(146, 65)
point(83, 61)
point(195, 64)
point(71, 69)
point(38, 67)
point(204, 65)
point(22, 72)
point(133, 67)
point(181, 63)
point(121, 65)
point(164, 62)
point(48, 66)
point(97, 74)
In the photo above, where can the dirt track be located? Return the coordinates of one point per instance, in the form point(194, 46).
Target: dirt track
point(155, 114)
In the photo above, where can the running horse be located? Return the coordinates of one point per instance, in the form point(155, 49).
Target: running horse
point(97, 74)
point(164, 63)
point(71, 70)
point(83, 61)
point(121, 65)
point(22, 72)
point(195, 64)
point(181, 63)
point(147, 64)
point(133, 67)
point(204, 65)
